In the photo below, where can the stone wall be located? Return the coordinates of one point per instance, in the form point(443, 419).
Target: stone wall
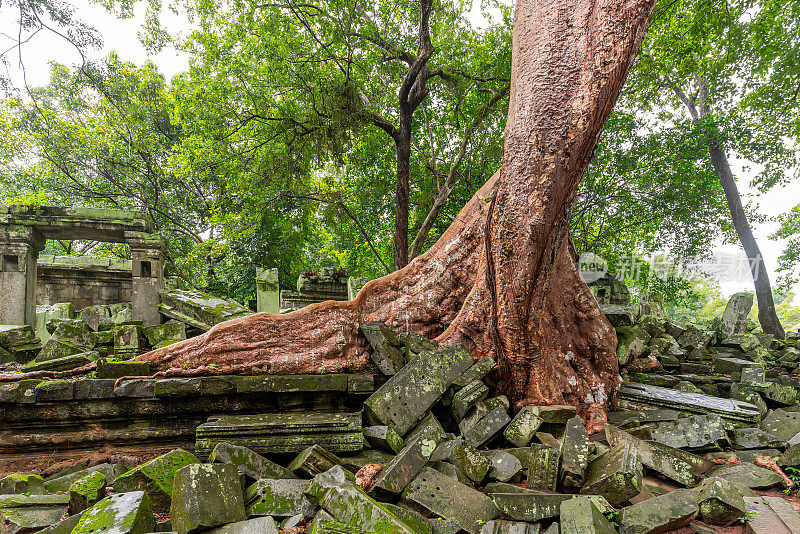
point(82, 280)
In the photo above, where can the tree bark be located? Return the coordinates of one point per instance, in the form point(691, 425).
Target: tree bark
point(402, 188)
point(502, 279)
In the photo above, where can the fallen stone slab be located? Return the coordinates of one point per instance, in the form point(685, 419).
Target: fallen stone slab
point(61, 484)
point(662, 513)
point(733, 366)
point(119, 368)
point(699, 432)
point(63, 526)
point(581, 516)
point(329, 526)
point(466, 397)
point(734, 318)
point(643, 394)
point(401, 470)
point(680, 466)
point(257, 525)
point(529, 505)
point(87, 491)
point(721, 502)
point(753, 438)
point(64, 363)
point(28, 513)
point(405, 398)
point(13, 335)
point(436, 493)
point(205, 496)
point(418, 522)
point(248, 462)
point(771, 515)
point(21, 483)
point(164, 334)
point(283, 432)
point(278, 498)
point(523, 426)
point(155, 478)
point(782, 424)
point(347, 503)
point(510, 527)
point(574, 454)
point(748, 475)
point(198, 309)
point(123, 513)
point(616, 474)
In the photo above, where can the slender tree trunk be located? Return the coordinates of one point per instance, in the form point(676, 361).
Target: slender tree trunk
point(502, 279)
point(403, 152)
point(767, 316)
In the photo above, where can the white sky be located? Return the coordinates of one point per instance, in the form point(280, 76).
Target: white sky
point(122, 36)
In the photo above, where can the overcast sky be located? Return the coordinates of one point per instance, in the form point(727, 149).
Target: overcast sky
point(122, 36)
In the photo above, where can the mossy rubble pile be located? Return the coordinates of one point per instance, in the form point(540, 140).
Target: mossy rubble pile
point(440, 455)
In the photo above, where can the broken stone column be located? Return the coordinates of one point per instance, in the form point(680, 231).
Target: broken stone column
point(19, 251)
point(147, 252)
point(267, 290)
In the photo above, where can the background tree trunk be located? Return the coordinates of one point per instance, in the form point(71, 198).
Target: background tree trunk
point(502, 279)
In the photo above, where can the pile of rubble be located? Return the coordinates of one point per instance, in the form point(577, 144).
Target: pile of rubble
point(432, 452)
point(76, 339)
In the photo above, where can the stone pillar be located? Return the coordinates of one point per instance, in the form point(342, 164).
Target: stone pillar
point(147, 253)
point(19, 251)
point(267, 290)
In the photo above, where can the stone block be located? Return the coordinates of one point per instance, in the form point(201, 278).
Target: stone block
point(784, 425)
point(753, 438)
point(156, 477)
point(21, 483)
point(489, 426)
point(529, 505)
point(87, 491)
point(618, 315)
point(503, 465)
point(581, 516)
point(164, 334)
point(313, 461)
point(721, 502)
point(405, 398)
point(12, 335)
point(65, 363)
point(94, 315)
point(278, 498)
point(198, 309)
point(478, 371)
point(557, 414)
point(435, 493)
point(128, 341)
point(257, 525)
point(123, 513)
point(542, 465)
point(781, 395)
point(574, 454)
point(119, 368)
point(388, 357)
point(62, 484)
point(616, 475)
point(699, 432)
point(748, 475)
point(662, 513)
point(771, 515)
point(680, 466)
point(523, 426)
point(347, 503)
point(401, 470)
point(734, 366)
point(205, 496)
point(54, 349)
point(283, 432)
point(384, 437)
point(248, 462)
point(467, 396)
point(138, 389)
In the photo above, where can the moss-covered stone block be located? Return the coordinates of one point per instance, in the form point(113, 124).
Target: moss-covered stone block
point(721, 502)
point(204, 496)
point(248, 462)
point(278, 498)
point(87, 491)
point(523, 426)
point(663, 513)
point(61, 484)
point(156, 477)
point(348, 504)
point(165, 334)
point(119, 368)
point(123, 513)
point(21, 483)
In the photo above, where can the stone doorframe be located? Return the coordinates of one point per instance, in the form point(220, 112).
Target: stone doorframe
point(24, 231)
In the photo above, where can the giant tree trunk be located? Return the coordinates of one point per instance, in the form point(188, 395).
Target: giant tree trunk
point(502, 279)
